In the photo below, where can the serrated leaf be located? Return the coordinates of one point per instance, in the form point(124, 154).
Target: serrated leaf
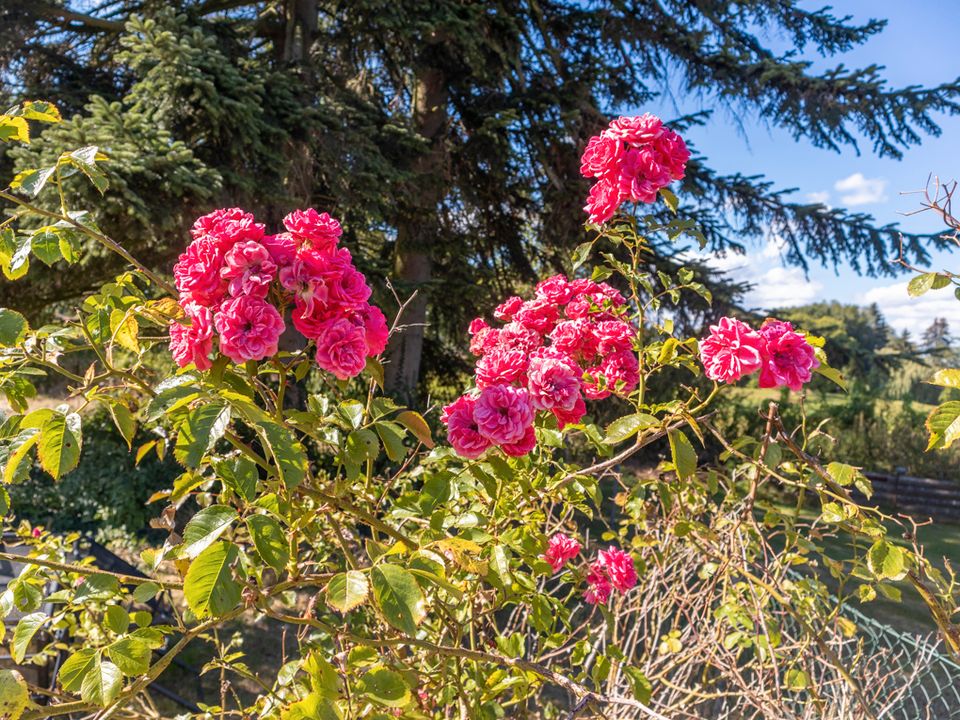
point(209, 587)
point(392, 436)
point(269, 540)
point(628, 426)
point(13, 327)
point(240, 475)
point(18, 451)
point(102, 684)
point(75, 669)
point(97, 587)
point(124, 421)
point(131, 655)
point(670, 199)
point(205, 528)
point(581, 253)
point(385, 687)
point(414, 422)
point(13, 128)
point(144, 592)
point(14, 695)
point(23, 635)
point(32, 181)
point(59, 446)
point(682, 454)
point(927, 281)
point(203, 427)
point(117, 619)
point(399, 597)
point(45, 245)
point(41, 111)
point(947, 377)
point(347, 590)
point(288, 454)
point(943, 425)
point(886, 560)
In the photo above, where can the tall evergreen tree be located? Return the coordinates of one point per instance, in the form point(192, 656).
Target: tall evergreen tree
point(446, 133)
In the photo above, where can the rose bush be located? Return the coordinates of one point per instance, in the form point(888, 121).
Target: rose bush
point(528, 569)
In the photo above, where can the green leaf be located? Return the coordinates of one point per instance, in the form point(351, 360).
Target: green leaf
point(205, 527)
point(32, 181)
point(17, 452)
point(581, 253)
point(123, 419)
point(831, 374)
point(796, 679)
point(670, 199)
point(842, 474)
point(385, 687)
point(40, 111)
point(145, 592)
point(399, 597)
point(392, 436)
point(117, 619)
point(269, 540)
point(203, 427)
point(362, 445)
point(23, 635)
point(14, 695)
point(682, 454)
point(414, 422)
point(944, 425)
point(131, 654)
point(14, 128)
point(628, 426)
point(927, 281)
point(59, 445)
point(76, 667)
point(313, 707)
point(240, 475)
point(209, 586)
point(45, 244)
point(948, 377)
point(886, 561)
point(347, 590)
point(102, 684)
point(97, 587)
point(287, 452)
point(642, 689)
point(13, 327)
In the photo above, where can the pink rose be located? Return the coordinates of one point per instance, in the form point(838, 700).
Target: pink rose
point(214, 222)
point(601, 158)
point(636, 130)
point(503, 413)
point(348, 288)
point(613, 336)
point(375, 330)
point(788, 358)
point(248, 268)
point(307, 279)
point(341, 348)
point(501, 367)
point(553, 380)
point(462, 431)
point(197, 273)
point(560, 549)
point(507, 309)
point(622, 371)
point(514, 336)
point(619, 568)
point(249, 328)
point(282, 249)
point(556, 289)
point(483, 337)
point(192, 343)
point(603, 201)
point(641, 176)
point(572, 416)
point(673, 153)
point(319, 229)
point(575, 337)
point(732, 350)
point(522, 446)
point(539, 315)
point(598, 585)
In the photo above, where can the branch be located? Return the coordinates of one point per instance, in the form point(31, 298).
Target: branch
point(88, 570)
point(65, 17)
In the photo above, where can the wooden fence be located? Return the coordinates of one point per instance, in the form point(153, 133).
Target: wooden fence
point(920, 497)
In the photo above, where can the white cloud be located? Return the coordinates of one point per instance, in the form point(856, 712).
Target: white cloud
point(782, 287)
point(860, 190)
point(915, 314)
point(821, 196)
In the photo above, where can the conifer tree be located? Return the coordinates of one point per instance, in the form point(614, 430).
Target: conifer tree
point(445, 134)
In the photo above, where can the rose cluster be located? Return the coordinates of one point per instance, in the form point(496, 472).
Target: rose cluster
point(236, 281)
point(632, 160)
point(568, 342)
point(613, 569)
point(734, 349)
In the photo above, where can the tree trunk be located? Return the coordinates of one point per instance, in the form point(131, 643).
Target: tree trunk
point(417, 233)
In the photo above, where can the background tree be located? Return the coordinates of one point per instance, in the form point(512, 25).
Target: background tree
point(448, 132)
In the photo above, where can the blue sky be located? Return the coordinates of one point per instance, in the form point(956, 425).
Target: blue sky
point(918, 47)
